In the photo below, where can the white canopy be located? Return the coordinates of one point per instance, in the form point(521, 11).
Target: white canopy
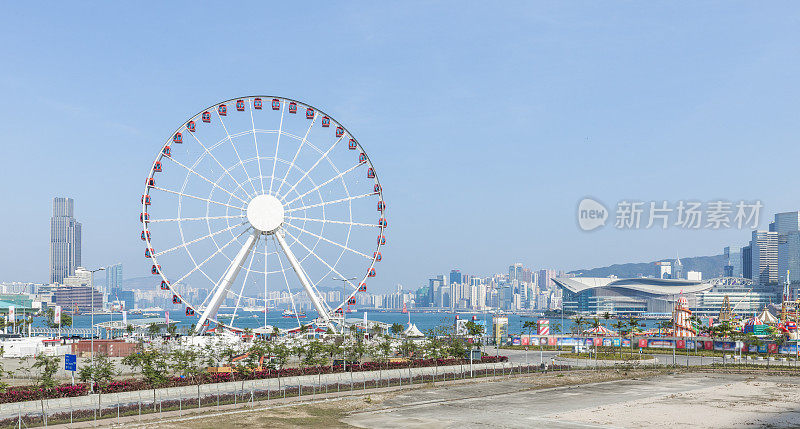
point(768, 318)
point(412, 331)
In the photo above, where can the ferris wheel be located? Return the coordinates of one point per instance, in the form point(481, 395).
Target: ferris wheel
point(259, 203)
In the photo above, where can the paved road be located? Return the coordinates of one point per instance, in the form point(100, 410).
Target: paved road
point(687, 400)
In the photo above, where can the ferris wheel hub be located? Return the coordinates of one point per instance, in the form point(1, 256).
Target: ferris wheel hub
point(265, 213)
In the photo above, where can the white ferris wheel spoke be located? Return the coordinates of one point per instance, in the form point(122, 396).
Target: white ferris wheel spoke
point(323, 261)
point(370, 225)
point(205, 150)
point(207, 236)
point(329, 241)
point(266, 300)
point(324, 183)
point(181, 219)
point(324, 155)
point(197, 198)
point(214, 184)
point(224, 285)
point(255, 140)
point(200, 265)
point(301, 275)
point(249, 179)
point(296, 154)
point(244, 281)
point(277, 145)
point(325, 203)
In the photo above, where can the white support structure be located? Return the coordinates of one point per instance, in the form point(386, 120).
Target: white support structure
point(301, 275)
point(227, 280)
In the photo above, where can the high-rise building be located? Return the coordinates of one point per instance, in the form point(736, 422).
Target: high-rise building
point(113, 279)
point(764, 255)
point(455, 277)
point(65, 240)
point(733, 261)
point(785, 223)
point(545, 279)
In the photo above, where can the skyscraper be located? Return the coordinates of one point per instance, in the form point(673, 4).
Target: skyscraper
point(65, 240)
point(455, 277)
point(764, 248)
point(113, 280)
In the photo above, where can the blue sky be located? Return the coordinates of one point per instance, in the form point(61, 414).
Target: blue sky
point(487, 124)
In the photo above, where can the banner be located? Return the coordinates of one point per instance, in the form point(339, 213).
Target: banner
point(12, 316)
point(166, 316)
point(552, 341)
point(57, 315)
point(125, 318)
point(525, 340)
point(660, 344)
point(544, 327)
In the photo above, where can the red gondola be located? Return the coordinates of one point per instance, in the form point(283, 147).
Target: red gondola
point(381, 240)
point(257, 103)
point(376, 189)
point(191, 126)
point(151, 182)
point(339, 311)
point(362, 287)
point(292, 107)
point(376, 256)
point(362, 158)
point(157, 166)
point(326, 121)
point(176, 299)
point(351, 301)
point(146, 200)
point(177, 138)
point(155, 269)
point(145, 235)
point(309, 113)
point(164, 285)
point(382, 222)
point(240, 105)
point(222, 110)
point(189, 311)
point(339, 132)
point(371, 272)
point(352, 145)
point(381, 206)
point(206, 117)
point(370, 173)
point(166, 151)
point(143, 217)
point(148, 253)
point(276, 105)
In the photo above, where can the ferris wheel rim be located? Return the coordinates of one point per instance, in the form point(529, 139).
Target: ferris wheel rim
point(145, 221)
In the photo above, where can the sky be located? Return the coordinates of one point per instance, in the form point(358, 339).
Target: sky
point(488, 124)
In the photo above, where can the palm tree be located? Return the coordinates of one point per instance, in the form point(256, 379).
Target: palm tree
point(530, 325)
point(578, 323)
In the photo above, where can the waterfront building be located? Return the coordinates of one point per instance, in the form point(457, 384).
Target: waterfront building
point(78, 298)
point(65, 240)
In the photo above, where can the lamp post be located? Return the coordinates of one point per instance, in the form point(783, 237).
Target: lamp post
point(91, 295)
point(344, 293)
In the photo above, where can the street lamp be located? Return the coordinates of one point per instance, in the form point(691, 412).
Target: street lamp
point(344, 293)
point(91, 295)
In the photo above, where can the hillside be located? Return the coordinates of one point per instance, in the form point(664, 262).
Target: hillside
point(710, 266)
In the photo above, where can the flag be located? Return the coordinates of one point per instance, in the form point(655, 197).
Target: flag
point(11, 314)
point(166, 316)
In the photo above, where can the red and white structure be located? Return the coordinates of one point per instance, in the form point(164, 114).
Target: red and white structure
point(250, 203)
point(543, 327)
point(682, 325)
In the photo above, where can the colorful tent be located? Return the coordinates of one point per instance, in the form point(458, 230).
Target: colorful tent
point(768, 318)
point(600, 330)
point(413, 331)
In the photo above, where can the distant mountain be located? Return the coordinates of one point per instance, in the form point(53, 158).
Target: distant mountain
point(150, 282)
point(710, 266)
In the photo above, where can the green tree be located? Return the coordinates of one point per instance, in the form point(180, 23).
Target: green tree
point(153, 330)
point(100, 372)
point(172, 330)
point(396, 329)
point(530, 325)
point(280, 355)
point(3, 373)
point(66, 320)
point(187, 362)
point(408, 347)
point(130, 329)
point(152, 365)
point(47, 366)
point(578, 324)
point(380, 352)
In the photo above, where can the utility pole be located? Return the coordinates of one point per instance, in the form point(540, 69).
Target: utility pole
point(91, 295)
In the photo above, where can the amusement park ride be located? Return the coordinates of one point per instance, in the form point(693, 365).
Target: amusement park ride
point(255, 203)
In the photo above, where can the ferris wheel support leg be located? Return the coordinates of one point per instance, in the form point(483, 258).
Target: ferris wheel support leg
point(227, 280)
point(301, 275)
